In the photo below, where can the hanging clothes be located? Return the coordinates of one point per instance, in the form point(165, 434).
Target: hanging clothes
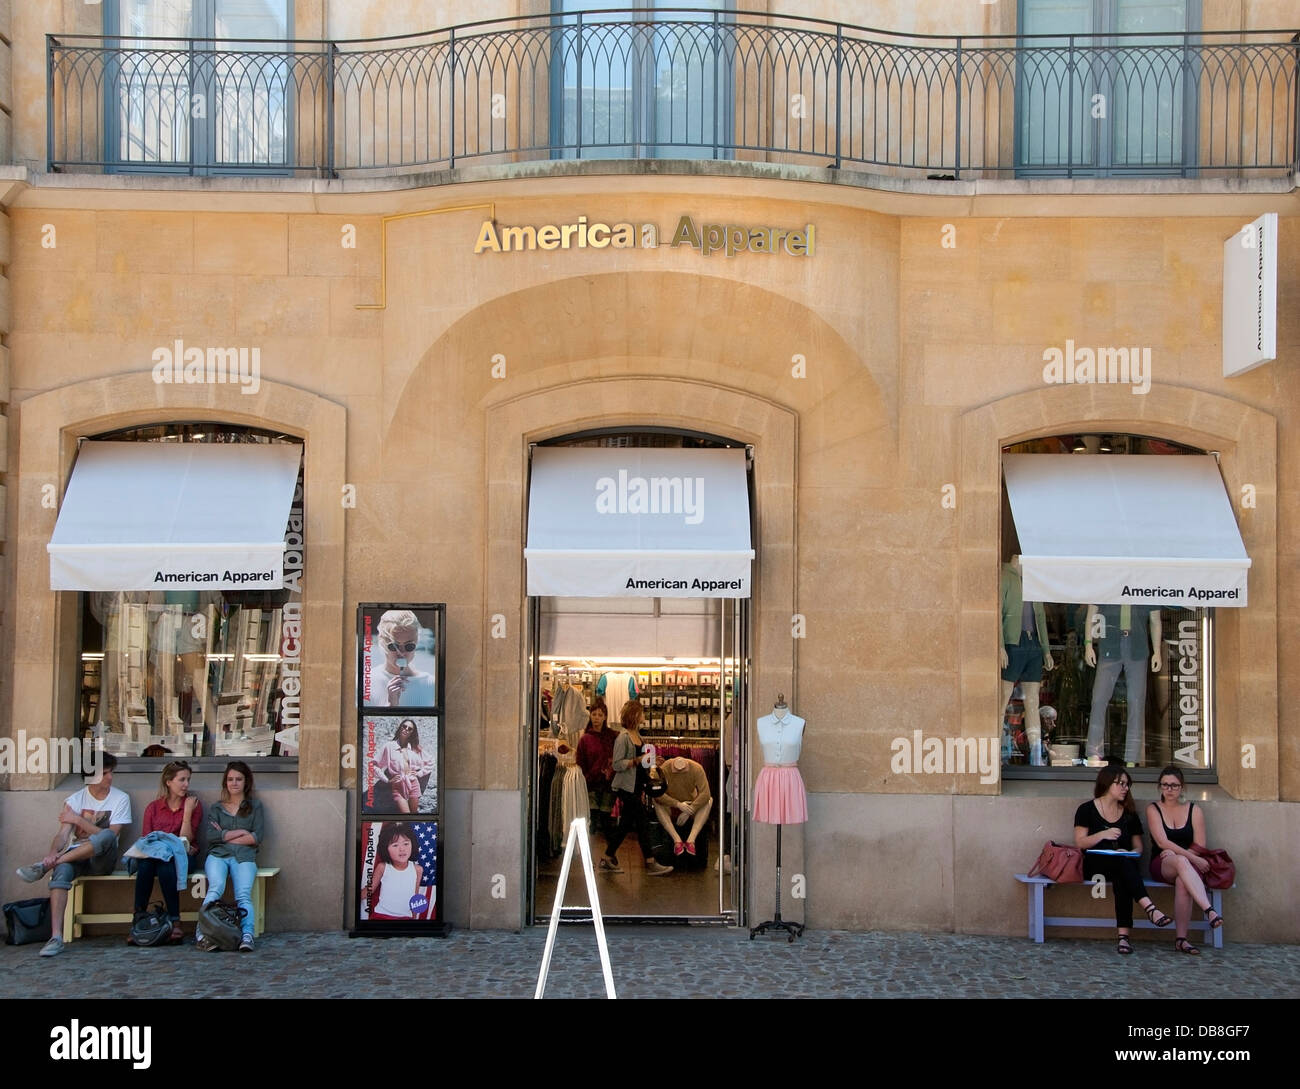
point(617, 689)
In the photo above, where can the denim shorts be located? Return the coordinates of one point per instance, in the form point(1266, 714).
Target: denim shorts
point(101, 862)
point(1024, 661)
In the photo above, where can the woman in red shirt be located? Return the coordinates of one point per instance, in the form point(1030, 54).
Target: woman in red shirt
point(178, 812)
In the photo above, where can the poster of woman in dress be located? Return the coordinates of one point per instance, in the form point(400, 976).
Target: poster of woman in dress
point(399, 665)
point(399, 762)
point(398, 871)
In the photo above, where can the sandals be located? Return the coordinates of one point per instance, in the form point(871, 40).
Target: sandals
point(1182, 945)
point(1216, 922)
point(1124, 948)
point(1157, 917)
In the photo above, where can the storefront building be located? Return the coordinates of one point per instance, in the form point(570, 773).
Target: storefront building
point(670, 371)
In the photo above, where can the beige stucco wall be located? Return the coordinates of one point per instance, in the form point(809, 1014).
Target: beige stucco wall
point(921, 361)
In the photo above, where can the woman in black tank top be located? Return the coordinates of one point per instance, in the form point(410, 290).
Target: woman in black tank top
point(1174, 828)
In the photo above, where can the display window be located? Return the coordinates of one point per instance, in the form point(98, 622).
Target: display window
point(1085, 683)
point(196, 672)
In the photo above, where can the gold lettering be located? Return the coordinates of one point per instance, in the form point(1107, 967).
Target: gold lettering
point(548, 237)
point(568, 230)
point(624, 236)
point(601, 229)
point(686, 234)
point(760, 240)
point(796, 244)
point(808, 249)
point(487, 238)
point(778, 236)
point(515, 238)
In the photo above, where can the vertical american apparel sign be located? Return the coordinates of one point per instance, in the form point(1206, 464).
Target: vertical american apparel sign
point(1250, 296)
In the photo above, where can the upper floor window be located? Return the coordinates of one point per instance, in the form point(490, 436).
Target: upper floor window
point(641, 82)
point(177, 103)
point(1113, 93)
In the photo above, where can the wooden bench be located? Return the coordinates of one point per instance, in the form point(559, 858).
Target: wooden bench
point(75, 916)
point(1037, 921)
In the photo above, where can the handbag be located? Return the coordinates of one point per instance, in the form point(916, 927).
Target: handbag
point(1062, 864)
point(151, 927)
point(27, 921)
point(1222, 873)
point(222, 924)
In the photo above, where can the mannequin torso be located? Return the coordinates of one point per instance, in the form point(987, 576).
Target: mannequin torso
point(781, 737)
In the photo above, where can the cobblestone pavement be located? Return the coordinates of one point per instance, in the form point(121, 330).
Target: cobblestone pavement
point(723, 964)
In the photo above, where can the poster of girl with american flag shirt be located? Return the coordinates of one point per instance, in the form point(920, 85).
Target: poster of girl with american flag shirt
point(398, 872)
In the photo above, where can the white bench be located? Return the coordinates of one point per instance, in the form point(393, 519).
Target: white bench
point(75, 916)
point(1037, 921)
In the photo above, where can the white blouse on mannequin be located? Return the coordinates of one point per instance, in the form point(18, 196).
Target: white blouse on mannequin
point(780, 738)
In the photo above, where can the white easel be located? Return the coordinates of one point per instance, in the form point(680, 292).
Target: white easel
point(578, 834)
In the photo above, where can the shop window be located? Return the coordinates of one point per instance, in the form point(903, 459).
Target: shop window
point(1102, 103)
point(196, 672)
point(642, 81)
point(1102, 699)
point(179, 101)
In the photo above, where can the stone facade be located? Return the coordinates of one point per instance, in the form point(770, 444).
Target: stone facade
point(895, 362)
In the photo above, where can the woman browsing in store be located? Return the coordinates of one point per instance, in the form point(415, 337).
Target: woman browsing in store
point(1109, 824)
point(175, 812)
point(234, 836)
point(1175, 827)
point(629, 783)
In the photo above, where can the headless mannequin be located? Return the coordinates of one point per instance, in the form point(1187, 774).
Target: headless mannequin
point(780, 735)
point(1029, 690)
point(699, 805)
point(1130, 654)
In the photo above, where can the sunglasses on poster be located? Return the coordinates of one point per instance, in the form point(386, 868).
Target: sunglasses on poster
point(399, 647)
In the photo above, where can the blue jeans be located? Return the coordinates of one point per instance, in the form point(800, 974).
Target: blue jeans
point(101, 862)
point(243, 874)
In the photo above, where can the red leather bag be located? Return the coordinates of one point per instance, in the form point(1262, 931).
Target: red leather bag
point(1062, 864)
point(1223, 871)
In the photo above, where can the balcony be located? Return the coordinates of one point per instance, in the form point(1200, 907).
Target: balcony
point(685, 84)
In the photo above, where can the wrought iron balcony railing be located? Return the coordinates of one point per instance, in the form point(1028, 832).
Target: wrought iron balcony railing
point(682, 83)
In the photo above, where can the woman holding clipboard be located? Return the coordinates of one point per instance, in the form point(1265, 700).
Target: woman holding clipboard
point(1108, 831)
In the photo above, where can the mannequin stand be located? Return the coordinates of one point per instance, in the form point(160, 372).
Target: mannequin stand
point(794, 930)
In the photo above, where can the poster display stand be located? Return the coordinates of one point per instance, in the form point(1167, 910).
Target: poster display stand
point(399, 838)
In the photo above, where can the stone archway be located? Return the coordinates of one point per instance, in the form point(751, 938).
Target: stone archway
point(1245, 439)
point(49, 425)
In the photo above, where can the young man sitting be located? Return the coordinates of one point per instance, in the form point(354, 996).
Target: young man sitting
point(86, 842)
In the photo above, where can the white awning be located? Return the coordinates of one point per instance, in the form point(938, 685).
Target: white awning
point(638, 523)
point(174, 516)
point(1105, 529)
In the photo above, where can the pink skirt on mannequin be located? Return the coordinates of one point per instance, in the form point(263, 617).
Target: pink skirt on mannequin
point(779, 796)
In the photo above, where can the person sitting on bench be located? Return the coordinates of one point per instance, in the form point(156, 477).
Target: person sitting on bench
point(86, 842)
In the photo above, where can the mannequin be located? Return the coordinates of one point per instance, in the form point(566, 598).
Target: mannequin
point(1025, 653)
point(688, 795)
point(569, 718)
point(779, 796)
point(1126, 634)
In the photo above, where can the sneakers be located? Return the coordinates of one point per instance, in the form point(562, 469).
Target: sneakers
point(32, 873)
point(53, 947)
point(206, 945)
point(653, 869)
point(609, 865)
point(246, 943)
